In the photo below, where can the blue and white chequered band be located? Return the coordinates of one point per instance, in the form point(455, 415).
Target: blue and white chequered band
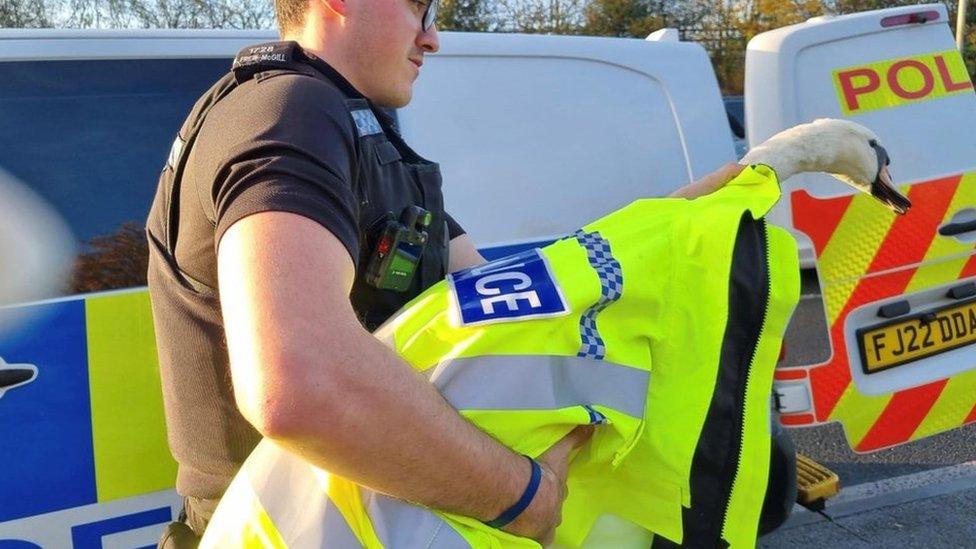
point(366, 122)
point(611, 288)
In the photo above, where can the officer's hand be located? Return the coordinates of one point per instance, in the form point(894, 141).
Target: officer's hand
point(710, 183)
point(540, 519)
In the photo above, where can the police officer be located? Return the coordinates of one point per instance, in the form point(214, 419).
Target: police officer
point(284, 197)
point(269, 267)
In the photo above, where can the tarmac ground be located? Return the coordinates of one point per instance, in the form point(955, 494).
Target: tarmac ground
point(930, 509)
point(920, 494)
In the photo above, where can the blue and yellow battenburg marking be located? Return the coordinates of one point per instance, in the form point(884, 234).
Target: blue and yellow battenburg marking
point(90, 428)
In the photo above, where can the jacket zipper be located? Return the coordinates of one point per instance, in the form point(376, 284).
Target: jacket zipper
point(743, 389)
point(718, 454)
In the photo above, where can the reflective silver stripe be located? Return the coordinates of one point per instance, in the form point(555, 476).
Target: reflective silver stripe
point(305, 517)
point(540, 382)
point(295, 501)
point(400, 524)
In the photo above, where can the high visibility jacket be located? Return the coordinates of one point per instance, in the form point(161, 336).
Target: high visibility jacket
point(661, 321)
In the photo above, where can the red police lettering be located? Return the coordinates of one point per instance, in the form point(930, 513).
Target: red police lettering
point(851, 91)
point(865, 80)
point(950, 86)
point(927, 78)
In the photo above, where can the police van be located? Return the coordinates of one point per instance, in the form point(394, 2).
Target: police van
point(536, 136)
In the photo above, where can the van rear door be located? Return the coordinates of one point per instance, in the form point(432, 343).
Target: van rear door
point(899, 292)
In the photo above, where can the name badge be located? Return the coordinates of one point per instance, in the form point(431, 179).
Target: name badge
point(518, 287)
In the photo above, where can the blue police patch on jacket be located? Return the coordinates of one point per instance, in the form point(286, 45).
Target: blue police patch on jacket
point(517, 287)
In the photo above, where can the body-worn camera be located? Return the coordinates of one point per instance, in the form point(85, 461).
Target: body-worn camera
point(398, 246)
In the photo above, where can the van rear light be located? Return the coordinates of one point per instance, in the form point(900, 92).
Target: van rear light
point(910, 18)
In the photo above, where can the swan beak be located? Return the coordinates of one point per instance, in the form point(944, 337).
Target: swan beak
point(883, 188)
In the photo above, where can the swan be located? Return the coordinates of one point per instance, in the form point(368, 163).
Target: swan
point(846, 150)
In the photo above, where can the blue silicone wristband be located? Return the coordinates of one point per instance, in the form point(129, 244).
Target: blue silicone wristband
point(514, 511)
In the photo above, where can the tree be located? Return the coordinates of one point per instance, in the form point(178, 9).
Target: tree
point(719, 31)
point(757, 16)
point(638, 18)
point(24, 14)
point(541, 16)
point(201, 14)
point(970, 42)
point(624, 18)
point(465, 15)
point(852, 6)
point(729, 26)
point(114, 261)
point(167, 14)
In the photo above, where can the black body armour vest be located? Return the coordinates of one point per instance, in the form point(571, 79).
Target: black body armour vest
point(207, 434)
point(390, 176)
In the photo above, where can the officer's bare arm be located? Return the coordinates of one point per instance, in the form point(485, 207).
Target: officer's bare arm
point(463, 254)
point(709, 183)
point(307, 375)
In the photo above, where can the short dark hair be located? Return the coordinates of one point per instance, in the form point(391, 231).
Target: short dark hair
point(291, 15)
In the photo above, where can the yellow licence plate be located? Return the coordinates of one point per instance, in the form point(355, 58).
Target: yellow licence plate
point(905, 340)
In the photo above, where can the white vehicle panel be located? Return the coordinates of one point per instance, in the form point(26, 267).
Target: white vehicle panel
point(549, 133)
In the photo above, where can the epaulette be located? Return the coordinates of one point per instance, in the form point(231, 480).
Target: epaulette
point(269, 56)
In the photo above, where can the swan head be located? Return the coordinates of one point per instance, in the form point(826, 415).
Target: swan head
point(864, 162)
point(844, 149)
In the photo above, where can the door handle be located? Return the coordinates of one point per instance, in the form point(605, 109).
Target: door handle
point(14, 376)
point(953, 229)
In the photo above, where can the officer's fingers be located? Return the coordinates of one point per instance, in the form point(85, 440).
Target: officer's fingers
point(557, 457)
point(558, 452)
point(548, 537)
point(580, 435)
point(573, 440)
point(550, 534)
point(720, 177)
point(732, 170)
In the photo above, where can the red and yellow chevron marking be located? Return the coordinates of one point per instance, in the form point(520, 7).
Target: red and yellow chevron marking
point(866, 254)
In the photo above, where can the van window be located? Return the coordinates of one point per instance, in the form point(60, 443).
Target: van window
point(91, 137)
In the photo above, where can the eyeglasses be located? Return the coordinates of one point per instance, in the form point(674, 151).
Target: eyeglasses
point(430, 15)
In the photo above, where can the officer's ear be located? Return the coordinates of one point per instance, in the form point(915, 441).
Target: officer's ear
point(337, 7)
